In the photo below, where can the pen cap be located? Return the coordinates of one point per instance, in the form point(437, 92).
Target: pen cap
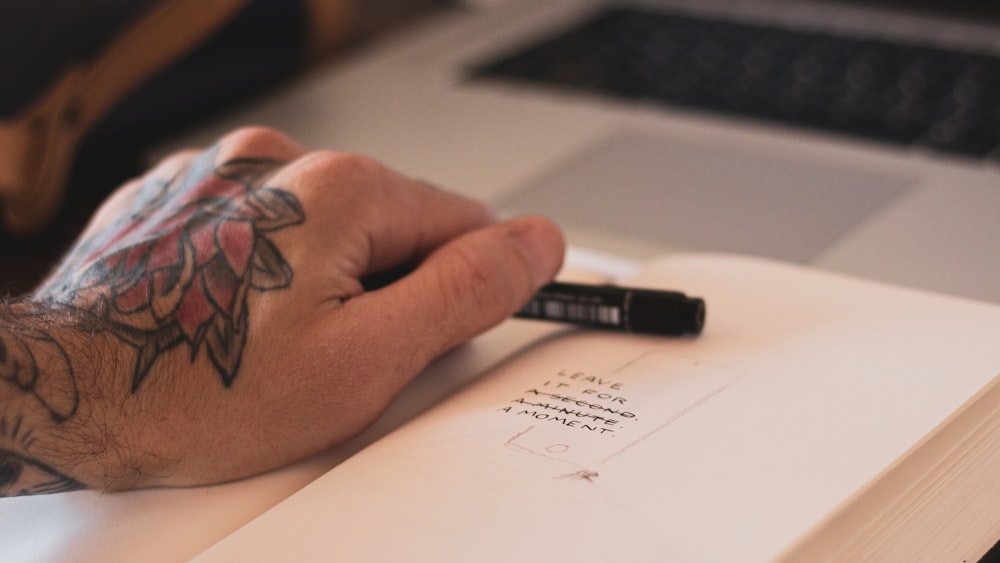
point(656, 313)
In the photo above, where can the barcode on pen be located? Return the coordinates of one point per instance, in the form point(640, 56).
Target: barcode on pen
point(581, 313)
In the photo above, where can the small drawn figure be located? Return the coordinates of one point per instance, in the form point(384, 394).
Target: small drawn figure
point(581, 475)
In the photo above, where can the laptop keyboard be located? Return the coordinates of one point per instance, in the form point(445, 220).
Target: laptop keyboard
point(913, 95)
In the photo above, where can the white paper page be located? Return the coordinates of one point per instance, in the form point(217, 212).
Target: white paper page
point(723, 448)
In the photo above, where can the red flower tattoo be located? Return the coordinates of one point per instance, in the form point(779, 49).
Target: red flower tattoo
point(180, 268)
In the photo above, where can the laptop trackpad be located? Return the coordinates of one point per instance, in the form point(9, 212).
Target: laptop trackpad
point(708, 198)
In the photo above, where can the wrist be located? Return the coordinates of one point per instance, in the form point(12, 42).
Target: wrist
point(51, 367)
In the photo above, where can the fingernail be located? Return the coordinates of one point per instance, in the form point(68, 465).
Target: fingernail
point(541, 244)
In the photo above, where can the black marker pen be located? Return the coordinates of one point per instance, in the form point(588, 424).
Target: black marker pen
point(668, 313)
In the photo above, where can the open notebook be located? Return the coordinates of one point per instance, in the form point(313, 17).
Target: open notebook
point(818, 418)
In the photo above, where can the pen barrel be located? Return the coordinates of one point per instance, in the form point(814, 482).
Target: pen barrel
point(669, 313)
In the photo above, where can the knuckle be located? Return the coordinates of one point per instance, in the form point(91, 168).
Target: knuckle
point(339, 166)
point(175, 160)
point(346, 177)
point(259, 140)
point(253, 134)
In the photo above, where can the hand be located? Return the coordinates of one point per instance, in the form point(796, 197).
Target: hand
point(212, 322)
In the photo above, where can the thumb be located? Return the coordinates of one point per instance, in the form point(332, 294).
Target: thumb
point(466, 286)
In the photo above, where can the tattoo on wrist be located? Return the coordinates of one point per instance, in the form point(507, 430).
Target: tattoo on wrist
point(37, 365)
point(180, 268)
point(22, 345)
point(21, 474)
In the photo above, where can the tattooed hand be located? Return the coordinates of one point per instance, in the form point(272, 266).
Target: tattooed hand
point(211, 323)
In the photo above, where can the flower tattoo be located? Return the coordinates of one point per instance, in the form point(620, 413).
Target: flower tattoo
point(179, 269)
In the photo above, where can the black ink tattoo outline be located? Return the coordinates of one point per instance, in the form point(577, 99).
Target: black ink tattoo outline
point(20, 345)
point(155, 305)
point(13, 465)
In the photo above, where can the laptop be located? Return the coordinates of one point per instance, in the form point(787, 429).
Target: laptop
point(859, 138)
